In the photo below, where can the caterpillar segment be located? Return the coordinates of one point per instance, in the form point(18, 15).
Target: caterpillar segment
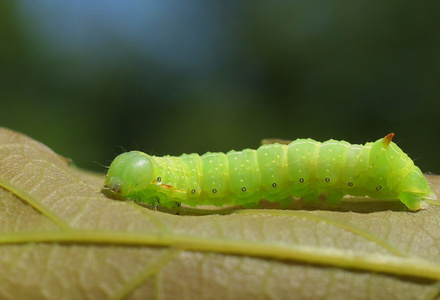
point(303, 168)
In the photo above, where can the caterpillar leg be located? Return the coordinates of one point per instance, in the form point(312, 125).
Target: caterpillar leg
point(334, 198)
point(172, 205)
point(310, 198)
point(411, 201)
point(251, 205)
point(156, 203)
point(178, 208)
point(287, 202)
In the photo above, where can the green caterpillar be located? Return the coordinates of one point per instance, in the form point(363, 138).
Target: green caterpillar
point(304, 168)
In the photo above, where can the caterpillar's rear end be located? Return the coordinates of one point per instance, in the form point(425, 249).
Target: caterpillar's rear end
point(403, 180)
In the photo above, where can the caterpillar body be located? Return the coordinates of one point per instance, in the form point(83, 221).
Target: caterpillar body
point(304, 168)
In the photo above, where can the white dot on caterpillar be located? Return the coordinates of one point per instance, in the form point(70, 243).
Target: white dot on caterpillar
point(278, 157)
point(308, 154)
point(247, 160)
point(265, 153)
point(330, 150)
point(236, 158)
point(210, 161)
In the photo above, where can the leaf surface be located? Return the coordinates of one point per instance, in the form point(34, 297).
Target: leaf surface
point(62, 238)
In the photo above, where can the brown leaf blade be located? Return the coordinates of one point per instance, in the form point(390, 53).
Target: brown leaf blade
point(61, 237)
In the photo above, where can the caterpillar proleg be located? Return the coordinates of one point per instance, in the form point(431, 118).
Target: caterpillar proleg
point(304, 168)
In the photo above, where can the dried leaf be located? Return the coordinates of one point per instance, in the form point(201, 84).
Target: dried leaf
point(61, 237)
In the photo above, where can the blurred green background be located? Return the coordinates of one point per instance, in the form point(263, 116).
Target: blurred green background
point(90, 78)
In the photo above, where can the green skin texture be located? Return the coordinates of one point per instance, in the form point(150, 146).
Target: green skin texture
point(304, 168)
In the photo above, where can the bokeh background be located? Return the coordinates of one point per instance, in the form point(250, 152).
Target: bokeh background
point(91, 78)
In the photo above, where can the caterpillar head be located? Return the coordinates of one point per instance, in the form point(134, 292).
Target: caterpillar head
point(130, 173)
point(397, 174)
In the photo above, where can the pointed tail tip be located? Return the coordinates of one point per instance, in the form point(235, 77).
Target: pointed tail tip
point(387, 139)
point(432, 199)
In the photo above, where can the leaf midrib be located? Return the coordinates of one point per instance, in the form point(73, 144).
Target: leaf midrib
point(400, 266)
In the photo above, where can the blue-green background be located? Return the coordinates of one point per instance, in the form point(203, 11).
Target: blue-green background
point(89, 78)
